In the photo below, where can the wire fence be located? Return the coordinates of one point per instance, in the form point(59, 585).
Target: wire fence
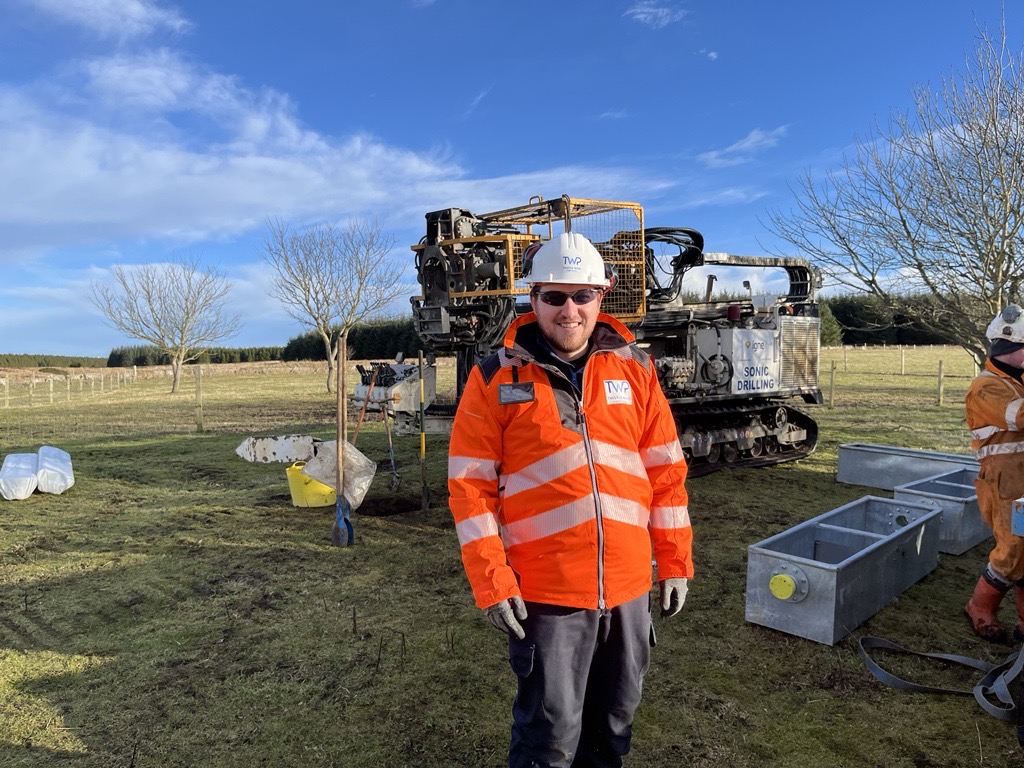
point(60, 405)
point(932, 375)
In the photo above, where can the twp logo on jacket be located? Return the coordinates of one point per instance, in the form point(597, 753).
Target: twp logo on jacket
point(617, 392)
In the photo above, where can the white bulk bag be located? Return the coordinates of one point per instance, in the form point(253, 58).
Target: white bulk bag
point(18, 475)
point(54, 473)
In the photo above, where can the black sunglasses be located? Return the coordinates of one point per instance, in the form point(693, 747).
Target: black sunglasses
point(558, 298)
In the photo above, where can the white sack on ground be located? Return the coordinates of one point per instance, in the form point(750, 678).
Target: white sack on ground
point(18, 475)
point(54, 474)
point(283, 448)
point(359, 470)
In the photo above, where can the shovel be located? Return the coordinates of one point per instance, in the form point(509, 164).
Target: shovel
point(396, 479)
point(366, 402)
point(423, 441)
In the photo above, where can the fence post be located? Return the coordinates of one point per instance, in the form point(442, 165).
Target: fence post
point(199, 398)
point(845, 367)
point(31, 388)
point(832, 386)
point(67, 386)
point(903, 361)
point(940, 382)
point(7, 395)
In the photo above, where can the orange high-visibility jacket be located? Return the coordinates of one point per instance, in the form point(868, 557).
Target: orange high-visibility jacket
point(995, 415)
point(562, 500)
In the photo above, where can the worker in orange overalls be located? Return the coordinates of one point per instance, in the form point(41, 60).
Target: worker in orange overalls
point(995, 416)
point(565, 478)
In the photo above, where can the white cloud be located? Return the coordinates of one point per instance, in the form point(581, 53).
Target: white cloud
point(614, 114)
point(655, 14)
point(157, 80)
point(476, 101)
point(744, 150)
point(100, 171)
point(136, 155)
point(114, 18)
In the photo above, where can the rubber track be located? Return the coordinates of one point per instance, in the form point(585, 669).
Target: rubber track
point(725, 414)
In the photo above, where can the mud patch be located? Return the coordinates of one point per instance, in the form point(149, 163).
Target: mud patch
point(395, 505)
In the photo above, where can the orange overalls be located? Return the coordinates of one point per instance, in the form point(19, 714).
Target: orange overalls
point(995, 416)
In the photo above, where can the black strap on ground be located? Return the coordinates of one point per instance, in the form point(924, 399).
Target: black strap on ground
point(992, 691)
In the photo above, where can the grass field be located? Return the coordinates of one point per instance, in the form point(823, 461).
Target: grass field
point(174, 609)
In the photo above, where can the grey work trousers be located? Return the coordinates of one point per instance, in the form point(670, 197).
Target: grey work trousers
point(580, 678)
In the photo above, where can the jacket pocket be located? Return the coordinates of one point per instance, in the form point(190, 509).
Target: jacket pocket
point(1009, 483)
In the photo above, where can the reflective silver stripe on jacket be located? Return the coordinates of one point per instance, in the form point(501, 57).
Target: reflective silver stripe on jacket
point(472, 468)
point(998, 449)
point(670, 517)
point(570, 515)
point(1012, 409)
point(560, 463)
point(663, 455)
point(984, 433)
point(476, 527)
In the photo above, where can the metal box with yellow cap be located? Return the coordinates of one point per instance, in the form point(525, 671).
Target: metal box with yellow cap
point(823, 578)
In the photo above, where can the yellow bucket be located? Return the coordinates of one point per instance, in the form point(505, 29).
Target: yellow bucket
point(307, 492)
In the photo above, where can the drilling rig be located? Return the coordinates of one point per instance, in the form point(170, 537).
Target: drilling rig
point(731, 362)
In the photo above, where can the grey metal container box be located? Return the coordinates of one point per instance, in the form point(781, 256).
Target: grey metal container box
point(823, 578)
point(954, 492)
point(886, 466)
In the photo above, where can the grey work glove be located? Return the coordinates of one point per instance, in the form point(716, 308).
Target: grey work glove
point(507, 614)
point(673, 595)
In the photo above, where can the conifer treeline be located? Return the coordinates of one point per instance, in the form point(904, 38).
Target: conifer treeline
point(849, 319)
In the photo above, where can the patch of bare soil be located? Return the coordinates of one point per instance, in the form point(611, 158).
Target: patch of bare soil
point(393, 505)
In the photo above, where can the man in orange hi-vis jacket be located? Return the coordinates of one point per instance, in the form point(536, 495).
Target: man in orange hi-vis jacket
point(995, 416)
point(566, 477)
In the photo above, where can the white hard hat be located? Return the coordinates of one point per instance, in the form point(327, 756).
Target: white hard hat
point(1008, 325)
point(569, 258)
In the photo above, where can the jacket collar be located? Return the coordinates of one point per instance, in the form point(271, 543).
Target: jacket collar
point(522, 339)
point(1002, 369)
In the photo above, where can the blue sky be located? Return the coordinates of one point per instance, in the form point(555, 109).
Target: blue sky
point(134, 131)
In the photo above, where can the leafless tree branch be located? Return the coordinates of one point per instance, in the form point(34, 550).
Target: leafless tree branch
point(331, 278)
point(178, 307)
point(927, 213)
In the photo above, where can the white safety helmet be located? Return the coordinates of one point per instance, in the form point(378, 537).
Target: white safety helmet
point(569, 259)
point(1008, 325)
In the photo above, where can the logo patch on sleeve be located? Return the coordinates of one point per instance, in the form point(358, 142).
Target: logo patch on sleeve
point(617, 392)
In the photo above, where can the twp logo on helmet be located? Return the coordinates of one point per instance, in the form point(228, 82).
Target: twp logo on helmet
point(572, 261)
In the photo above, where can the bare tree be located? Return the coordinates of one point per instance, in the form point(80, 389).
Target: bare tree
point(177, 307)
point(331, 278)
point(928, 213)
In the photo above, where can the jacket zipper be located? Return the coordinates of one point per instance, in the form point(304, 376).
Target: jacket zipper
point(597, 506)
point(581, 419)
point(598, 511)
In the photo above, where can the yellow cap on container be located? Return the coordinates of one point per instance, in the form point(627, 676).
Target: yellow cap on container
point(782, 585)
